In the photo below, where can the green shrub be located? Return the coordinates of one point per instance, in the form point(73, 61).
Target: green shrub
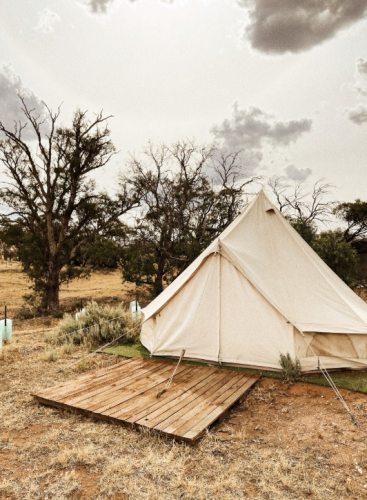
point(94, 326)
point(58, 314)
point(291, 370)
point(339, 255)
point(26, 312)
point(115, 298)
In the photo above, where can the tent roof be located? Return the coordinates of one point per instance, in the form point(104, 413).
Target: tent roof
point(264, 247)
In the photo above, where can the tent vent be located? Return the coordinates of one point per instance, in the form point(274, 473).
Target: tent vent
point(270, 210)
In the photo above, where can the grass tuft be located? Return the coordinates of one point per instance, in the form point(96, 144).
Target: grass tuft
point(291, 369)
point(51, 355)
point(68, 348)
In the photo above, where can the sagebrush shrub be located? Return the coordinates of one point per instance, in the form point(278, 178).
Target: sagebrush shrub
point(94, 326)
point(58, 314)
point(291, 368)
point(26, 313)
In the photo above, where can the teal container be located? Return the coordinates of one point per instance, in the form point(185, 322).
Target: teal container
point(6, 330)
point(77, 314)
point(135, 310)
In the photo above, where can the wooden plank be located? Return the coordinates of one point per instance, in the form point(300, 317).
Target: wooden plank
point(148, 397)
point(126, 394)
point(75, 385)
point(180, 390)
point(214, 410)
point(193, 411)
point(150, 401)
point(134, 388)
point(155, 404)
point(178, 404)
point(109, 377)
point(196, 404)
point(177, 394)
point(85, 378)
point(122, 380)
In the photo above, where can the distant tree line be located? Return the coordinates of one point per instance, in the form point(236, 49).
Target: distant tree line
point(178, 198)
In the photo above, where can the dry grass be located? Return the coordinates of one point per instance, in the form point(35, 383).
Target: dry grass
point(102, 286)
point(49, 453)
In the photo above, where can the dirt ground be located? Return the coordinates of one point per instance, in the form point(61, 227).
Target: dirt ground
point(283, 442)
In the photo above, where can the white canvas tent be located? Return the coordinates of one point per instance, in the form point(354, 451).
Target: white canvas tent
point(247, 298)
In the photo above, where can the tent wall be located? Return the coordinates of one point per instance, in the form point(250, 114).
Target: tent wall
point(190, 320)
point(252, 331)
point(219, 315)
point(274, 257)
point(335, 350)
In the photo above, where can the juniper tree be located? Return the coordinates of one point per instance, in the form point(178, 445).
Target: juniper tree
point(51, 197)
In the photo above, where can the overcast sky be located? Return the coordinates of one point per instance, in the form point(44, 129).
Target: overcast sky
point(284, 80)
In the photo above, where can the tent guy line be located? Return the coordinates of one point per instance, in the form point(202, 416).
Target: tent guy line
point(332, 385)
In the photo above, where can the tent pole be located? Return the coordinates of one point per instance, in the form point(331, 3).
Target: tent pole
point(219, 304)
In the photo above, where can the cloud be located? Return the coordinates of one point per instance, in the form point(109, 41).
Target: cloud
point(101, 9)
point(11, 86)
point(297, 174)
point(252, 129)
point(361, 65)
point(46, 21)
point(358, 115)
point(279, 26)
point(361, 76)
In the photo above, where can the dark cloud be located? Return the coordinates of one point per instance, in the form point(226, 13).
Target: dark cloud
point(101, 8)
point(251, 129)
point(11, 86)
point(279, 26)
point(358, 114)
point(361, 65)
point(297, 174)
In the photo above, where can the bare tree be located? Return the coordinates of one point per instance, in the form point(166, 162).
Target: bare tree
point(299, 204)
point(190, 193)
point(52, 198)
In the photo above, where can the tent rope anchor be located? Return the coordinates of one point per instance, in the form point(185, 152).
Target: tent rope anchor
point(326, 374)
point(159, 394)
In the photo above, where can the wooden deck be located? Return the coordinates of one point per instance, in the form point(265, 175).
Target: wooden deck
point(126, 394)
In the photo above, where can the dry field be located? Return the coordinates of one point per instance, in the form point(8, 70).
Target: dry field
point(102, 286)
point(284, 442)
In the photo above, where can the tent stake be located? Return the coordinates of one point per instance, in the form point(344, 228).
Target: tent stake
point(173, 374)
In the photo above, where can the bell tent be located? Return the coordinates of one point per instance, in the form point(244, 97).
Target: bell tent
point(257, 292)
